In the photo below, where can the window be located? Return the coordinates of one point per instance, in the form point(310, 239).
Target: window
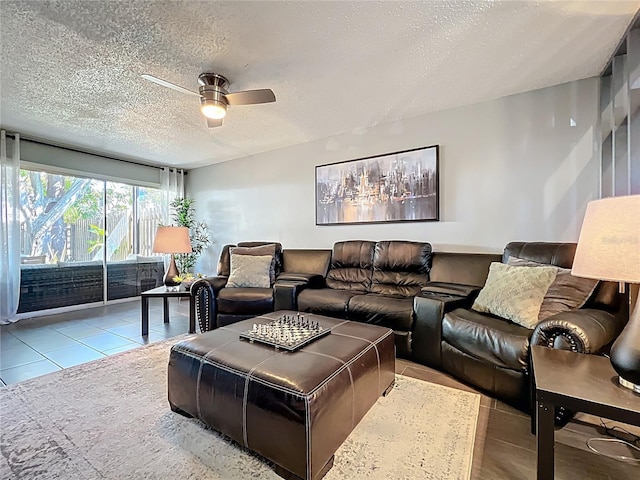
point(60, 217)
point(66, 238)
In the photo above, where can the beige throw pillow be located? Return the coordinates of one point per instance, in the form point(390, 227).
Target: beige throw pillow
point(249, 271)
point(268, 249)
point(567, 292)
point(515, 293)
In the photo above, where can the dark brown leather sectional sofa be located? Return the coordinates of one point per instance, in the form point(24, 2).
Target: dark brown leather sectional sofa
point(426, 298)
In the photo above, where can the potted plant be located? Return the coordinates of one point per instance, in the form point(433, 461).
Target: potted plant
point(184, 216)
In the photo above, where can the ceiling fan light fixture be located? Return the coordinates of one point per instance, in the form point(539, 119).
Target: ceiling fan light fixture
point(214, 96)
point(213, 109)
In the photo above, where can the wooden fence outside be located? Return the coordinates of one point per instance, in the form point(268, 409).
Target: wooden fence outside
point(82, 244)
point(81, 237)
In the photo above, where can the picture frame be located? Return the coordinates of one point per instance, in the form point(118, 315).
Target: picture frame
point(393, 187)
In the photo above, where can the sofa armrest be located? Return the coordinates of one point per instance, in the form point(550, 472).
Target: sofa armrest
point(312, 280)
point(216, 283)
point(584, 331)
point(205, 291)
point(429, 309)
point(446, 289)
point(285, 293)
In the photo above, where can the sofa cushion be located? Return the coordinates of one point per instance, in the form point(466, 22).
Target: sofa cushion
point(462, 268)
point(245, 301)
point(400, 268)
point(250, 271)
point(605, 296)
point(260, 250)
point(392, 312)
point(351, 265)
point(515, 293)
point(224, 262)
point(325, 301)
point(316, 261)
point(557, 254)
point(278, 245)
point(567, 292)
point(490, 339)
point(505, 383)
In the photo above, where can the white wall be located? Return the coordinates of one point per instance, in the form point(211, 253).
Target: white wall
point(510, 169)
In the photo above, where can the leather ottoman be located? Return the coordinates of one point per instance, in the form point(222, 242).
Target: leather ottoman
point(294, 408)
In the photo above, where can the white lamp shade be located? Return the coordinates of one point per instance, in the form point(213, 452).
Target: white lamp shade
point(172, 240)
point(609, 244)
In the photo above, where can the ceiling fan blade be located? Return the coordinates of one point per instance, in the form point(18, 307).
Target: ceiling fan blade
point(212, 122)
point(251, 97)
point(173, 86)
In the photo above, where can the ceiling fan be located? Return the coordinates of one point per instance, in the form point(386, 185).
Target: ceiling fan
point(214, 97)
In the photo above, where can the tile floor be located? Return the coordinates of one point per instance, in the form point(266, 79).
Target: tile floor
point(504, 446)
point(39, 345)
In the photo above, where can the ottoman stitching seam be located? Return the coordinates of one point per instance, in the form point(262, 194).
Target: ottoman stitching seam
point(200, 376)
point(353, 394)
point(375, 346)
point(198, 389)
point(247, 381)
point(307, 428)
point(341, 323)
point(337, 372)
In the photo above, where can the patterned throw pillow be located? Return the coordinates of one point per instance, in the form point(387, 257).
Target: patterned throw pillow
point(567, 292)
point(268, 249)
point(249, 271)
point(515, 293)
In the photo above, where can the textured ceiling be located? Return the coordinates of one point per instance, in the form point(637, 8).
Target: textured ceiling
point(70, 70)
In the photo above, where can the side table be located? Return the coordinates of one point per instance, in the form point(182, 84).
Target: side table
point(579, 382)
point(161, 292)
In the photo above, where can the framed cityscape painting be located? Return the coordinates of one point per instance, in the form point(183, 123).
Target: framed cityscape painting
point(394, 187)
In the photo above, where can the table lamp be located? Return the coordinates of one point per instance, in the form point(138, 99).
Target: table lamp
point(172, 240)
point(609, 249)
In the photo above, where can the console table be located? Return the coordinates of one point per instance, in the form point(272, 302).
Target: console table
point(161, 292)
point(579, 382)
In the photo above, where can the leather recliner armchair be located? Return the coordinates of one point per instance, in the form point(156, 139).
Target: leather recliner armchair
point(218, 305)
point(492, 353)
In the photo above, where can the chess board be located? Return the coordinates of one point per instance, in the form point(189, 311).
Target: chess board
point(288, 332)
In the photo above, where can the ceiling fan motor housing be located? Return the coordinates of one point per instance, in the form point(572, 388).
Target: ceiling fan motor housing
point(213, 79)
point(212, 97)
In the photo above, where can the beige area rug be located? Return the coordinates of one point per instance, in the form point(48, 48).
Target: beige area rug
point(110, 419)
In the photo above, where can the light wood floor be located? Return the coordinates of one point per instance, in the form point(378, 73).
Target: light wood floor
point(504, 446)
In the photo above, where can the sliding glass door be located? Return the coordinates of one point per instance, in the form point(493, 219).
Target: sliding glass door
point(85, 240)
point(133, 214)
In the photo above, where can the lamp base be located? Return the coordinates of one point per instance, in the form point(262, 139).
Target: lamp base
point(625, 352)
point(171, 272)
point(629, 385)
